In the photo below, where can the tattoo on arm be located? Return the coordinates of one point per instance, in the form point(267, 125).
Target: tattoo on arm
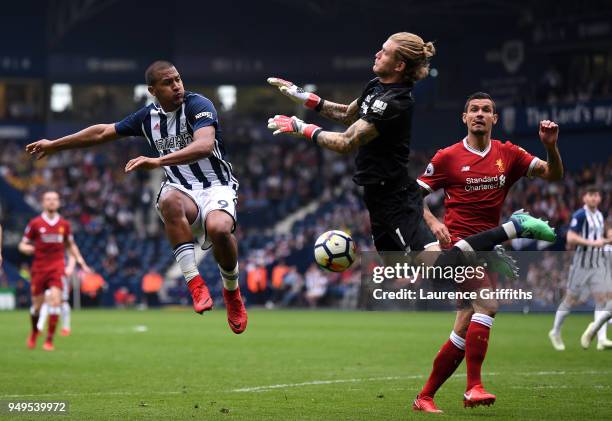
point(345, 114)
point(359, 133)
point(552, 169)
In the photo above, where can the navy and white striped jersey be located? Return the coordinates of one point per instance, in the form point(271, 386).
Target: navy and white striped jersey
point(589, 225)
point(168, 132)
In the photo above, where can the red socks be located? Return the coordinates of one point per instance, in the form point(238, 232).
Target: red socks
point(476, 343)
point(446, 362)
point(53, 318)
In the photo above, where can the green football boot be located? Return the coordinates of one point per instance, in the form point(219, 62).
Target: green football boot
point(529, 227)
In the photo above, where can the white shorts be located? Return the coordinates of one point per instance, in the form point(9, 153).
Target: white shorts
point(207, 200)
point(587, 280)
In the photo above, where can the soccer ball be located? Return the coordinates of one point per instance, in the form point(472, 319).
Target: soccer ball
point(334, 251)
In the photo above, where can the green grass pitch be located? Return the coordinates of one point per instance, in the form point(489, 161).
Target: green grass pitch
point(319, 365)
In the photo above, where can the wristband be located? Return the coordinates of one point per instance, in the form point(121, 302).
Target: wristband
point(315, 136)
point(319, 105)
point(310, 130)
point(312, 101)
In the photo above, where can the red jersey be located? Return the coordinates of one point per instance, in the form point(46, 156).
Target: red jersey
point(475, 182)
point(49, 237)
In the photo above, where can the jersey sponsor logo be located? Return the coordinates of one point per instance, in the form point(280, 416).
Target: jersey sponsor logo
point(465, 168)
point(429, 170)
point(52, 238)
point(173, 142)
point(500, 165)
point(485, 183)
point(206, 114)
point(379, 106)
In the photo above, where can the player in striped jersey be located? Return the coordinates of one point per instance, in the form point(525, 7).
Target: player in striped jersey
point(588, 272)
point(199, 193)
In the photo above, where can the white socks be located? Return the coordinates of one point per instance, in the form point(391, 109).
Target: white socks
point(464, 246)
point(601, 319)
point(42, 317)
point(45, 311)
point(185, 256)
point(510, 229)
point(66, 315)
point(230, 279)
point(560, 316)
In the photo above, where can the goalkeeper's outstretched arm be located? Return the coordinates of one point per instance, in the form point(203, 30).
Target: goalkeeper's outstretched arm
point(359, 133)
point(340, 113)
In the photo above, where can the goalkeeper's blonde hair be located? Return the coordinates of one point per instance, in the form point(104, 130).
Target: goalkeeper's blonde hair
point(415, 52)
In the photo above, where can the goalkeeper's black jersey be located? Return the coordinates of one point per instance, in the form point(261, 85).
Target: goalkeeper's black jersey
point(389, 107)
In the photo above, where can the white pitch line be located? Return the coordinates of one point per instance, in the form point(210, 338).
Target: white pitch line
point(315, 383)
point(320, 382)
point(62, 394)
point(373, 379)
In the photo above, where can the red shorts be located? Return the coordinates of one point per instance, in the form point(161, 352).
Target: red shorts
point(45, 279)
point(488, 281)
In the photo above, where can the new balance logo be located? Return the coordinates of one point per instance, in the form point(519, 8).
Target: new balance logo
point(465, 168)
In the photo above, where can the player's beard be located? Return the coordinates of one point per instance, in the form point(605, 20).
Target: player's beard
point(479, 132)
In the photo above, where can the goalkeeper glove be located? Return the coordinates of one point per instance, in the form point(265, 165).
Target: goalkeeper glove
point(297, 94)
point(293, 126)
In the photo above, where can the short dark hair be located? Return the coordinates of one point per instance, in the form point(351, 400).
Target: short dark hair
point(49, 191)
point(478, 95)
point(151, 72)
point(591, 188)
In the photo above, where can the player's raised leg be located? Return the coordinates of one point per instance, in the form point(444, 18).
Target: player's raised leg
point(219, 227)
point(179, 211)
point(520, 225)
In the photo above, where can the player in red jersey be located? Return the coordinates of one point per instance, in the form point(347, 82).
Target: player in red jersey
point(47, 237)
point(476, 174)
